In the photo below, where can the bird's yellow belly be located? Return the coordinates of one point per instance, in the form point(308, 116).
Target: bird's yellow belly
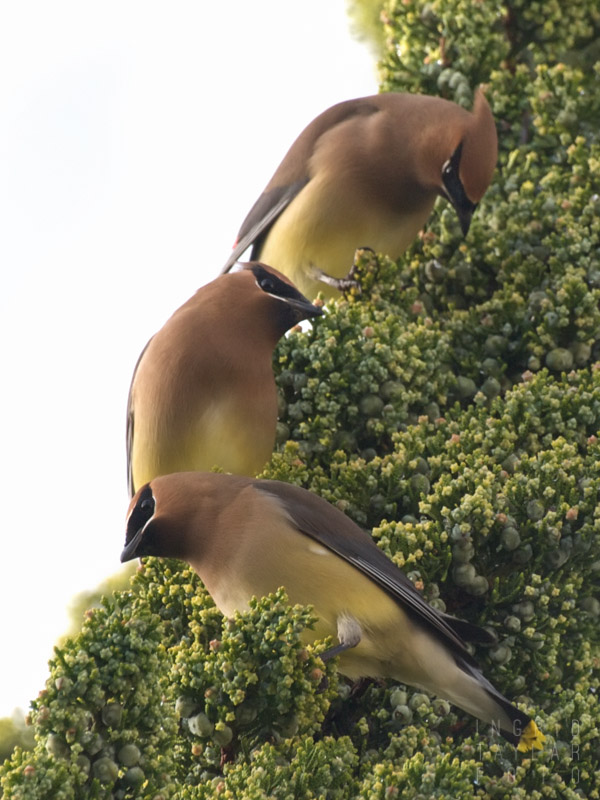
point(327, 233)
point(224, 436)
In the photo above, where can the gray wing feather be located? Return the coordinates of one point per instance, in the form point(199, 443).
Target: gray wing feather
point(261, 217)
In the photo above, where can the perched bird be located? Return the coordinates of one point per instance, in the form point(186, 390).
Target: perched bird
point(203, 392)
point(366, 174)
point(248, 537)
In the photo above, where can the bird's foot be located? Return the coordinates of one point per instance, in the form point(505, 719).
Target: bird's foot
point(227, 755)
point(349, 635)
point(332, 652)
point(341, 284)
point(352, 283)
point(360, 687)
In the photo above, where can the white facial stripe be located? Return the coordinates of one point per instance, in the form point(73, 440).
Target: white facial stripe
point(274, 296)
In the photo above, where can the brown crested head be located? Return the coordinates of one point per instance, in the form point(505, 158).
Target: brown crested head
point(146, 533)
point(160, 519)
point(479, 150)
point(175, 516)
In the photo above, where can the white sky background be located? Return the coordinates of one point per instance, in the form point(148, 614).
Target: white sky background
point(134, 137)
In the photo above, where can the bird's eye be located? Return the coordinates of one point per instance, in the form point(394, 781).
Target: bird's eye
point(267, 285)
point(147, 503)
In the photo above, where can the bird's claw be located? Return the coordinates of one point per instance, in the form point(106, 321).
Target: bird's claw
point(341, 284)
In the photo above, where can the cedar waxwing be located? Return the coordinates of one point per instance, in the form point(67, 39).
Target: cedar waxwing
point(203, 392)
point(365, 174)
point(248, 537)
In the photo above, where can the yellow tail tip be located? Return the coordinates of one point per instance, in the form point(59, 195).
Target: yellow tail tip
point(531, 739)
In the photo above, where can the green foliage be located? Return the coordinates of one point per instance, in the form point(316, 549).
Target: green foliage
point(453, 408)
point(14, 733)
point(87, 600)
point(100, 724)
point(446, 46)
point(158, 690)
point(321, 769)
point(443, 47)
point(256, 681)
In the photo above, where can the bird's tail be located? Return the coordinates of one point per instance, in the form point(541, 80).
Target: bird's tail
point(514, 725)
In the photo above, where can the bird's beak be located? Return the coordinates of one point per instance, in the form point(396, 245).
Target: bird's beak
point(454, 191)
point(304, 307)
point(129, 551)
point(465, 215)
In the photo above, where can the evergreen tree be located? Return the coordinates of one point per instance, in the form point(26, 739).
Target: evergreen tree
point(453, 407)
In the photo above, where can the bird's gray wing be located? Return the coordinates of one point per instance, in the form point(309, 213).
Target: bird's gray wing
point(316, 518)
point(260, 218)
